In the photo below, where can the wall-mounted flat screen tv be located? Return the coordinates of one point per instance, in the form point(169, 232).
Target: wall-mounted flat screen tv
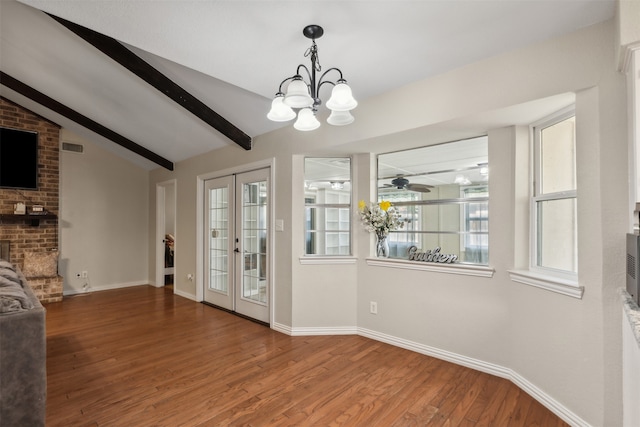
point(18, 159)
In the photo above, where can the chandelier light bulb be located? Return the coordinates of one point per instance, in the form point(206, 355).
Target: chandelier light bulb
point(306, 120)
point(280, 112)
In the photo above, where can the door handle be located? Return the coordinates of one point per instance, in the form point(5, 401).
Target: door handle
point(236, 250)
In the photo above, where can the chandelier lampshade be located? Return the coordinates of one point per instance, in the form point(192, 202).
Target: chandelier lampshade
point(340, 118)
point(297, 93)
point(306, 120)
point(341, 98)
point(280, 112)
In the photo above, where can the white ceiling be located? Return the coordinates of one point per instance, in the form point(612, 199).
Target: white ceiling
point(232, 55)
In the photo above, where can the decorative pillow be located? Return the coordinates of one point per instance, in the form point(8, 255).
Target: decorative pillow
point(40, 264)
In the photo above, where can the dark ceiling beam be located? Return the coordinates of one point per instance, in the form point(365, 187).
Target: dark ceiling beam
point(73, 115)
point(116, 51)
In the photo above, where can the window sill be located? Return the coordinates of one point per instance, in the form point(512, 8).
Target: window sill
point(549, 283)
point(463, 269)
point(328, 260)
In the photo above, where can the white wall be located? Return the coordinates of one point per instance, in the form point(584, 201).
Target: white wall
point(103, 219)
point(564, 350)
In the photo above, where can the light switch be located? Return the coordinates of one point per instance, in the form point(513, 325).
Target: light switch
point(279, 225)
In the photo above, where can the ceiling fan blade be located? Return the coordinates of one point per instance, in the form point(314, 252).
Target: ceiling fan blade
point(422, 188)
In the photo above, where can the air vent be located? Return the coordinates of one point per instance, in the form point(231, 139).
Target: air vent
point(74, 148)
point(631, 266)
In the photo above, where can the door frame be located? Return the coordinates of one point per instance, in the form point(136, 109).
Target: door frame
point(161, 188)
point(200, 231)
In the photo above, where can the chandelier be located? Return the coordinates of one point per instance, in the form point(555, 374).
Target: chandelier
point(305, 96)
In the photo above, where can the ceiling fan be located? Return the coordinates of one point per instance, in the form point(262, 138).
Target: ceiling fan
point(402, 183)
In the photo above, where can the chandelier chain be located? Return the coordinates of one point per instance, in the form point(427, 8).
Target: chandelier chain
point(313, 52)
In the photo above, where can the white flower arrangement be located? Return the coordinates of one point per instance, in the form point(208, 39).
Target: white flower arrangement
point(380, 219)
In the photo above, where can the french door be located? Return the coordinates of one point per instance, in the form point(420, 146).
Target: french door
point(237, 243)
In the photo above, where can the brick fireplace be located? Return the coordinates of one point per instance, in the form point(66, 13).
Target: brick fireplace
point(25, 236)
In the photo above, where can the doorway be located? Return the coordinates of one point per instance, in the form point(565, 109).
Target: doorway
point(165, 233)
point(236, 244)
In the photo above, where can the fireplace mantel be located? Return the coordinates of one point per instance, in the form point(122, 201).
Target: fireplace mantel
point(33, 218)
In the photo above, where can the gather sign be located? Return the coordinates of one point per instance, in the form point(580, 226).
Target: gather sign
point(431, 256)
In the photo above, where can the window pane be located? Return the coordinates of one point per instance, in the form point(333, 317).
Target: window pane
point(327, 231)
point(441, 192)
point(557, 234)
point(555, 197)
point(327, 206)
point(557, 157)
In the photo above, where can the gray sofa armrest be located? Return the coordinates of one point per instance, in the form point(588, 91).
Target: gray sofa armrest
point(23, 376)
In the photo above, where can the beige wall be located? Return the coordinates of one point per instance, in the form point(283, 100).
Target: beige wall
point(628, 30)
point(564, 349)
point(103, 219)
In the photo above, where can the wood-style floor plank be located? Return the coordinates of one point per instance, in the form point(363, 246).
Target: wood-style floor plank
point(142, 356)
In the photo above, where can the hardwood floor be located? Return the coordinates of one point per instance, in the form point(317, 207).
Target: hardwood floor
point(144, 357)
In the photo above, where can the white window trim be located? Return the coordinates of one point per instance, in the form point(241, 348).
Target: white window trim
point(461, 269)
point(327, 259)
point(554, 284)
point(543, 277)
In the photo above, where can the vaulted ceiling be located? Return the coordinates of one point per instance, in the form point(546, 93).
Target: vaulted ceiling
point(228, 57)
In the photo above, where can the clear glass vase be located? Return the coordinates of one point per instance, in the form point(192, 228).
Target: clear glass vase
point(382, 246)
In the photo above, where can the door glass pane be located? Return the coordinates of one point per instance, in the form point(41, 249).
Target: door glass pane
point(557, 234)
point(218, 239)
point(254, 232)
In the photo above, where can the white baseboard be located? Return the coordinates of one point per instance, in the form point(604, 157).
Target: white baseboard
point(549, 402)
point(490, 368)
point(123, 285)
point(185, 295)
point(458, 359)
point(333, 330)
point(282, 328)
point(69, 292)
point(308, 331)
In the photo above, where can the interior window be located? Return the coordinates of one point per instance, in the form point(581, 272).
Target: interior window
point(554, 202)
point(327, 187)
point(442, 193)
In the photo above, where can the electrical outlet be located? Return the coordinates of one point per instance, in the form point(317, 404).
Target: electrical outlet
point(373, 307)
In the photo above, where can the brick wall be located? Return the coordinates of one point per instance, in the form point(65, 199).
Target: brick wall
point(23, 236)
